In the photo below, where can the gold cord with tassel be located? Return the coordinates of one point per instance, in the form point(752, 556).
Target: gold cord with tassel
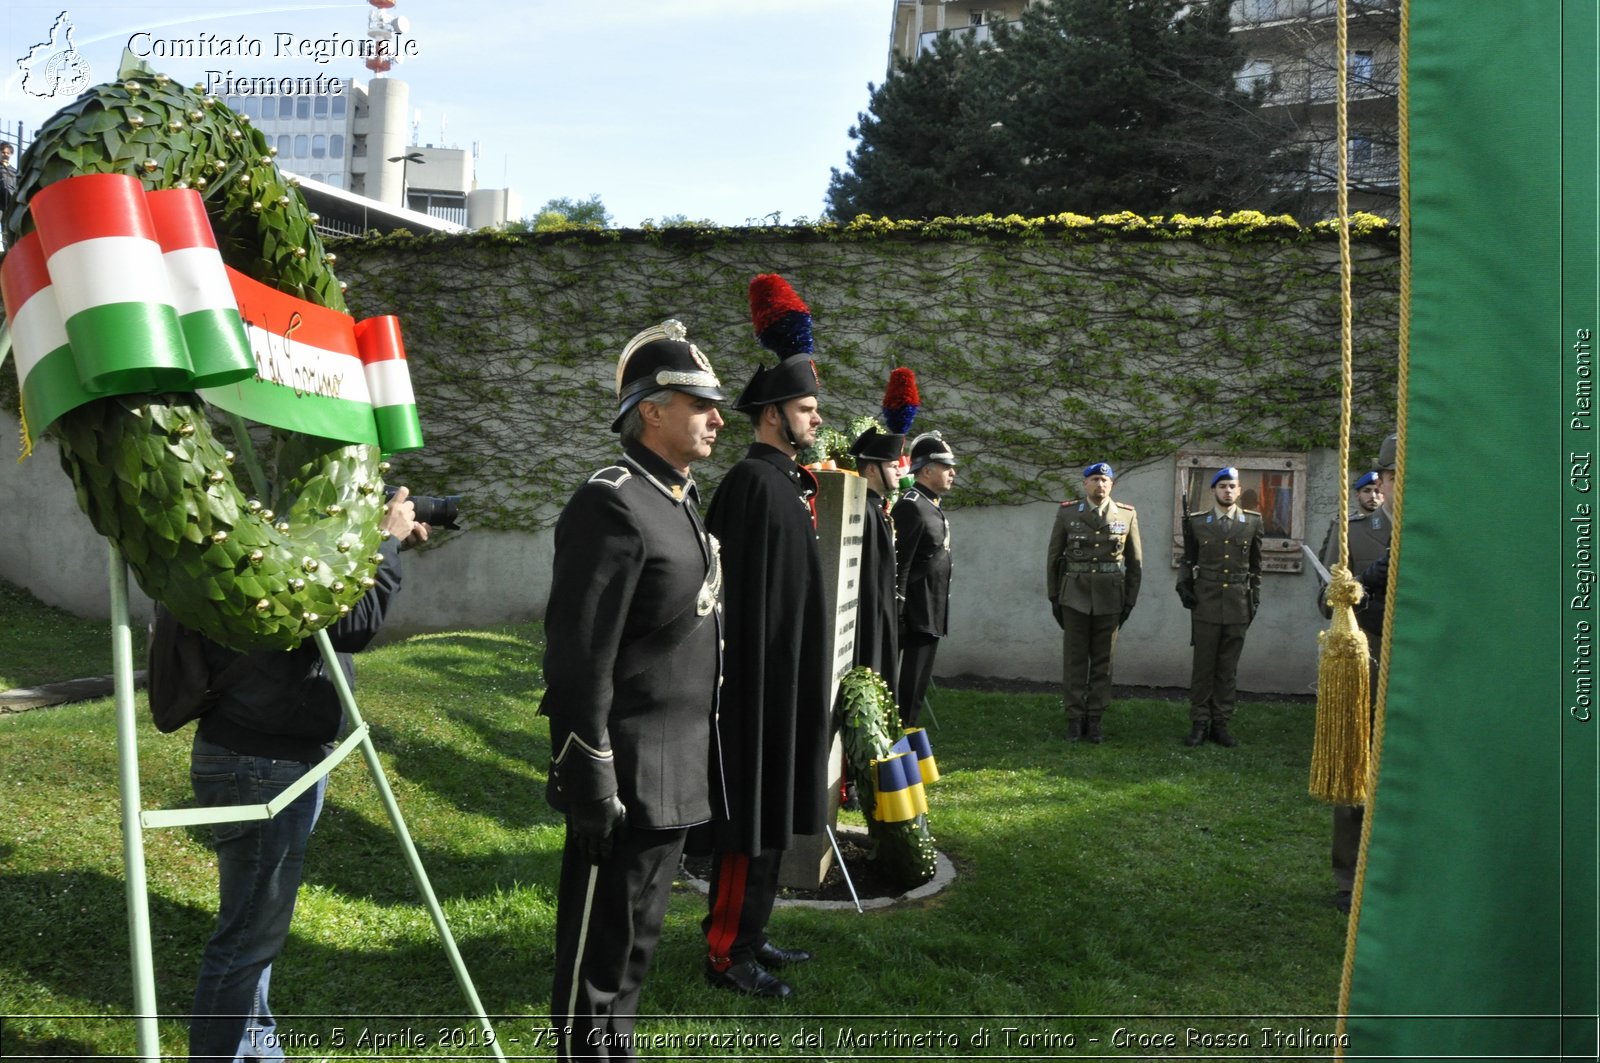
point(1339, 750)
point(1402, 415)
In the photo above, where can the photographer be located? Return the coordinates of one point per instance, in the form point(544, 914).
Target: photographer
point(277, 716)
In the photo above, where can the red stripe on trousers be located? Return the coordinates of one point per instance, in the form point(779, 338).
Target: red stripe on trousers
point(732, 870)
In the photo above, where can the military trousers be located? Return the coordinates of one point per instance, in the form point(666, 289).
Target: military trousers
point(1213, 681)
point(917, 650)
point(1088, 644)
point(608, 922)
point(744, 889)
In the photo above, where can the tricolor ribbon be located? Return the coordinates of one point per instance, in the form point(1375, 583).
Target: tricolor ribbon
point(321, 372)
point(119, 291)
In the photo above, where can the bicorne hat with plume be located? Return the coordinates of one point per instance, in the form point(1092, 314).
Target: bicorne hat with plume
point(900, 405)
point(783, 326)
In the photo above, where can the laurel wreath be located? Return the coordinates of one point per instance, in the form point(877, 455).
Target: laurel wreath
point(262, 569)
point(871, 725)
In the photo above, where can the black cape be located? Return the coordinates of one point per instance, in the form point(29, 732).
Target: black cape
point(878, 616)
point(774, 720)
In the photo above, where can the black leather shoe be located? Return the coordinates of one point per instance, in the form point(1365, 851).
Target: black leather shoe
point(1093, 733)
point(1197, 734)
point(750, 978)
point(770, 955)
point(1341, 901)
point(1220, 735)
point(1074, 728)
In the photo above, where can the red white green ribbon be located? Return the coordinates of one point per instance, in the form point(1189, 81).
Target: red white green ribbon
point(120, 291)
point(114, 292)
point(320, 372)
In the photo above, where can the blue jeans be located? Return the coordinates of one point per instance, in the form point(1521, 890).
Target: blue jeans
point(259, 864)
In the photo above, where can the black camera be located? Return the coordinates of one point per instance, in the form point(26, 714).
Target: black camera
point(436, 512)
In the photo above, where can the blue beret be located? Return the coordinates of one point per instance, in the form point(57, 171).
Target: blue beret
point(1366, 478)
point(1227, 472)
point(1099, 468)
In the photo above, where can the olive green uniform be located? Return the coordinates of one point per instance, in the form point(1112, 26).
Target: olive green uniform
point(1369, 538)
point(1092, 575)
point(1221, 568)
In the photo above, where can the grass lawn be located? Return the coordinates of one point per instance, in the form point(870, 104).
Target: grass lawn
point(44, 645)
point(1139, 886)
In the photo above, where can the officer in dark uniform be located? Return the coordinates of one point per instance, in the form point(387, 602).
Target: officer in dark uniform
point(1092, 574)
point(1369, 563)
point(1219, 582)
point(922, 563)
point(877, 456)
point(1367, 534)
point(632, 665)
point(775, 721)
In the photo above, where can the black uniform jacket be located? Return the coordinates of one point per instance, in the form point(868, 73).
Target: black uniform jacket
point(775, 713)
point(283, 704)
point(878, 615)
point(632, 654)
point(922, 558)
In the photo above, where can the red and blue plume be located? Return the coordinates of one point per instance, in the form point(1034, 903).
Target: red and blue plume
point(781, 317)
point(901, 401)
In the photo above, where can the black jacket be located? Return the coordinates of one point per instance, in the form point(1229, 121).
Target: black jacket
point(631, 661)
point(284, 705)
point(922, 558)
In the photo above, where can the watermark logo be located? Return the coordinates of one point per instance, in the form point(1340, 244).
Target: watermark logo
point(54, 67)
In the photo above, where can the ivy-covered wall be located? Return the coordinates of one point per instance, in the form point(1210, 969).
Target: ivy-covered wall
point(1039, 345)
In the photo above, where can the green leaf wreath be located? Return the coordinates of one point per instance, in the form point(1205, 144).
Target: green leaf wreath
point(904, 850)
point(261, 569)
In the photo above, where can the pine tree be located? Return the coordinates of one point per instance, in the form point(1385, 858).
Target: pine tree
point(915, 145)
point(1091, 106)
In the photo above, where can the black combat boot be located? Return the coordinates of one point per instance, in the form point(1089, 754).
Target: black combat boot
point(1197, 734)
point(1092, 731)
point(1220, 735)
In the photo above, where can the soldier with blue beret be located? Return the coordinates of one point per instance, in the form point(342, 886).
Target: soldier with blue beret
point(1219, 582)
point(1092, 574)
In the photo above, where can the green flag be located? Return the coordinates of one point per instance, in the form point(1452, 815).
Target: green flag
point(1476, 922)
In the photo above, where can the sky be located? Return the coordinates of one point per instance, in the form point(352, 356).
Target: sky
point(727, 110)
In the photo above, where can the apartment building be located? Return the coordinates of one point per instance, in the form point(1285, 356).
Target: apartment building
point(1289, 51)
point(918, 23)
point(1291, 54)
point(361, 141)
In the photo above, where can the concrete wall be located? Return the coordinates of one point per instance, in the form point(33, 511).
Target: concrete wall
point(1000, 620)
point(470, 580)
point(50, 548)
